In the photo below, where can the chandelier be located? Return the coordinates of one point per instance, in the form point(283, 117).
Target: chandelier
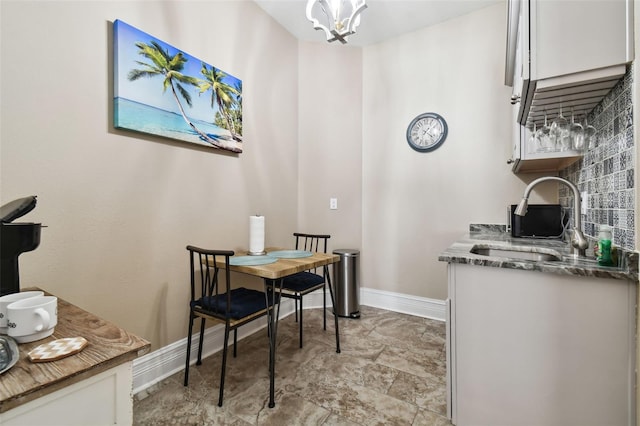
point(337, 18)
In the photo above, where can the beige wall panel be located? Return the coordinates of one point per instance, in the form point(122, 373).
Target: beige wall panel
point(330, 142)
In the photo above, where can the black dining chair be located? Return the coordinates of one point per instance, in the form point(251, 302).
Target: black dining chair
point(298, 285)
point(212, 298)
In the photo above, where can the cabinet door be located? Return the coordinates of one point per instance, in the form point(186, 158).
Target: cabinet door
point(530, 348)
point(448, 358)
point(516, 153)
point(573, 36)
point(521, 72)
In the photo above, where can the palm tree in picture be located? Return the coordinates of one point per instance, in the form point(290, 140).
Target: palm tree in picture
point(237, 111)
point(222, 94)
point(170, 67)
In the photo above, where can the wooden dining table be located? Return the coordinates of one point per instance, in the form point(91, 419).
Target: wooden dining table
point(273, 275)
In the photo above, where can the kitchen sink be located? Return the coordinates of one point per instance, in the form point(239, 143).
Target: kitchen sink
point(524, 253)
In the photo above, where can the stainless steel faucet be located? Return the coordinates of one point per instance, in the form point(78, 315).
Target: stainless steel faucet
point(579, 243)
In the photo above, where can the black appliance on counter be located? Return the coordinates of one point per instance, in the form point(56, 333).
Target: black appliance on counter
point(541, 221)
point(15, 238)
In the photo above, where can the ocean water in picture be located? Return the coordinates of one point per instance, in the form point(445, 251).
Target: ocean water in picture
point(147, 119)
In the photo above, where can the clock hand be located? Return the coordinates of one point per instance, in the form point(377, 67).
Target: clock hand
point(431, 126)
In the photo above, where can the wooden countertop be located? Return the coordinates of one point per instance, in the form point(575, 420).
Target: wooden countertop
point(108, 346)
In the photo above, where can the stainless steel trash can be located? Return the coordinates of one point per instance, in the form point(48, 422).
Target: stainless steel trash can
point(346, 279)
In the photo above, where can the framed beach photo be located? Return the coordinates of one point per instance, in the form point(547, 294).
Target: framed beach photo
point(163, 91)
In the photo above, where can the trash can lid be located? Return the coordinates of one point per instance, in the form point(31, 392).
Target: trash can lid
point(347, 252)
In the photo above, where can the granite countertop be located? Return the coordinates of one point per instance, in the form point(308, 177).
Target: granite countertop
point(108, 346)
point(494, 236)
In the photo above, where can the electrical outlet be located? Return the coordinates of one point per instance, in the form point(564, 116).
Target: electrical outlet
point(333, 203)
point(584, 204)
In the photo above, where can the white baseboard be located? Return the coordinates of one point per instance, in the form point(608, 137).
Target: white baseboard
point(403, 303)
point(168, 360)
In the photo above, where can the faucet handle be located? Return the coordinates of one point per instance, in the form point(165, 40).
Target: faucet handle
point(578, 240)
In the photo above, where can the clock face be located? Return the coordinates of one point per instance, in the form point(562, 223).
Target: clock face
point(427, 132)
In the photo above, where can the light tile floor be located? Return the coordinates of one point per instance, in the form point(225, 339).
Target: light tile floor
point(391, 372)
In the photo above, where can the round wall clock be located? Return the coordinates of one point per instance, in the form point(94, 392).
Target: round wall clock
point(427, 132)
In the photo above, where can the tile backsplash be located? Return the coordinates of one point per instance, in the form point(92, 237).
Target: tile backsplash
point(606, 172)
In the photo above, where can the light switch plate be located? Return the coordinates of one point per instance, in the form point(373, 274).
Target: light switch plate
point(333, 203)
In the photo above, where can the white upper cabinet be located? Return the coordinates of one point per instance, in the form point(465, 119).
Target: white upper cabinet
point(562, 54)
point(569, 37)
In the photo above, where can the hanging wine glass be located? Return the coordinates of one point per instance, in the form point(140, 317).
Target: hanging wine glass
point(546, 138)
point(560, 129)
point(589, 135)
point(576, 134)
point(534, 142)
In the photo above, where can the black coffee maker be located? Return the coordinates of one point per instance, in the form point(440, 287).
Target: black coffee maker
point(15, 238)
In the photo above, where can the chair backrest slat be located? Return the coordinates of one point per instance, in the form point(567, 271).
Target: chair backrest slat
point(311, 242)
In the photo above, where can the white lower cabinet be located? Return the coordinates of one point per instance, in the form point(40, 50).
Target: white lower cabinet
point(103, 399)
point(533, 348)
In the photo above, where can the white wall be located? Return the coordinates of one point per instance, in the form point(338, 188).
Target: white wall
point(330, 142)
point(417, 204)
point(120, 207)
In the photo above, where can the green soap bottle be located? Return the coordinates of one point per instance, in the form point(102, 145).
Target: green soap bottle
point(604, 246)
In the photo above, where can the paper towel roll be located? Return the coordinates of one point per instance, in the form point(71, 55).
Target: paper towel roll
point(256, 235)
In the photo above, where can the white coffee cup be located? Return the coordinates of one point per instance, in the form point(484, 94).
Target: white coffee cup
point(6, 300)
point(32, 319)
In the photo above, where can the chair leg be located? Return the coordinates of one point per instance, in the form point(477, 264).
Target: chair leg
point(296, 303)
point(335, 315)
point(186, 367)
point(301, 321)
point(224, 363)
point(199, 361)
point(235, 342)
point(324, 305)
